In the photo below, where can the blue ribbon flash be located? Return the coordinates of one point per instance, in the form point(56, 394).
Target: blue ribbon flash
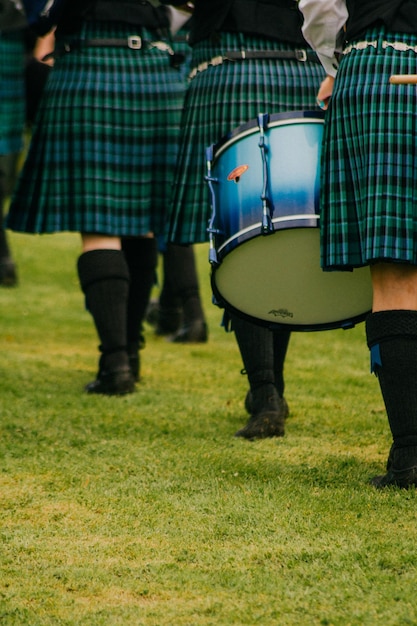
point(375, 358)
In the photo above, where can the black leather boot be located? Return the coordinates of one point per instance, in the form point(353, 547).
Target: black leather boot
point(141, 257)
point(267, 407)
point(114, 377)
point(401, 469)
point(104, 278)
point(392, 339)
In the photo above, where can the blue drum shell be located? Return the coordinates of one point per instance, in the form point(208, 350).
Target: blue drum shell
point(292, 149)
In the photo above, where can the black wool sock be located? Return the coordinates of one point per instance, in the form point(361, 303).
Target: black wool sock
point(256, 349)
point(392, 340)
point(141, 255)
point(281, 340)
point(180, 271)
point(104, 278)
point(8, 173)
point(4, 246)
point(169, 298)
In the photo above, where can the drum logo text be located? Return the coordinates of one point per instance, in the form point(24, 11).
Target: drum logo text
point(281, 313)
point(237, 173)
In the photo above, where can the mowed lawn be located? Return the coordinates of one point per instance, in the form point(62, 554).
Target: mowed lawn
point(146, 510)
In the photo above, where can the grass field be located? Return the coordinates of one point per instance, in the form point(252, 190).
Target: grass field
point(145, 510)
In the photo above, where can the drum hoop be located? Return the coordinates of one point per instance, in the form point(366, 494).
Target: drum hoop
point(276, 119)
point(258, 226)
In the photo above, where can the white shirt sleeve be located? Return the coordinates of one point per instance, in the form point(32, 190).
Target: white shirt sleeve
point(322, 28)
point(177, 19)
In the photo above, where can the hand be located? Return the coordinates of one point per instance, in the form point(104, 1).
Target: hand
point(325, 92)
point(188, 7)
point(44, 48)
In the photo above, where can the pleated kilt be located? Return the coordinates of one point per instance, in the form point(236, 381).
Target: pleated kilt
point(369, 159)
point(218, 100)
point(105, 141)
point(12, 92)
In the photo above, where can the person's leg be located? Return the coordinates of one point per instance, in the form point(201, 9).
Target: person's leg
point(181, 271)
point(141, 255)
point(104, 278)
point(8, 272)
point(391, 332)
point(267, 407)
point(281, 339)
point(168, 318)
point(169, 307)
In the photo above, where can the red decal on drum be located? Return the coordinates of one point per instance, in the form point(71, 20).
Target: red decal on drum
point(237, 173)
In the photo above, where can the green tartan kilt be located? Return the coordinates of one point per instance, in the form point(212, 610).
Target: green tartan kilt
point(218, 100)
point(105, 141)
point(369, 159)
point(12, 92)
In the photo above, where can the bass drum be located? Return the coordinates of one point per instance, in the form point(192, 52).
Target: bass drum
point(264, 230)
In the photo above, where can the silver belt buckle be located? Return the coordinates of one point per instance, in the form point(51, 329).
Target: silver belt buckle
point(134, 42)
point(301, 55)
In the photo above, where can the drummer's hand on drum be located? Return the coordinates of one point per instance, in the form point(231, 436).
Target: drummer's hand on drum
point(325, 92)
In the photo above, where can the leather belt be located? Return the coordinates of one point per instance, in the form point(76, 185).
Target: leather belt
point(134, 42)
point(400, 46)
point(302, 56)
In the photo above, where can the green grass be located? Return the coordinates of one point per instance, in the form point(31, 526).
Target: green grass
point(145, 510)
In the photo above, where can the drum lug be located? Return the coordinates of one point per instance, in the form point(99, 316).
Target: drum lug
point(210, 229)
point(213, 256)
point(267, 227)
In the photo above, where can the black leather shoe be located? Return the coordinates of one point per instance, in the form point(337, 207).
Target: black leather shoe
point(401, 467)
point(134, 363)
point(283, 406)
point(117, 382)
point(263, 425)
point(8, 274)
point(133, 354)
point(404, 479)
point(165, 320)
point(266, 423)
point(169, 321)
point(151, 315)
point(196, 332)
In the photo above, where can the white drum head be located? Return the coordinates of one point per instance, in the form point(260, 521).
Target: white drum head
point(277, 279)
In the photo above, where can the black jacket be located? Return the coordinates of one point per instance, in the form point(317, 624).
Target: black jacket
point(275, 19)
point(139, 12)
point(135, 12)
point(395, 15)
